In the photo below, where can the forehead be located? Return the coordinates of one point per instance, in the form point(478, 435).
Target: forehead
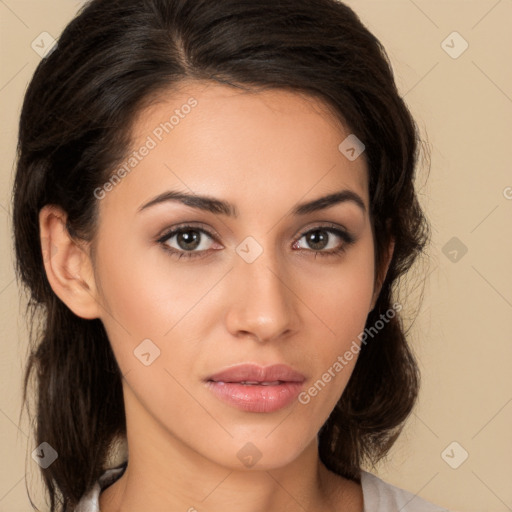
point(214, 139)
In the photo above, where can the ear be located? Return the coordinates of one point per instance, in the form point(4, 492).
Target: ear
point(68, 266)
point(381, 272)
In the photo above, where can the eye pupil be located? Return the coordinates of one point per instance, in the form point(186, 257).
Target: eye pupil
point(190, 241)
point(316, 239)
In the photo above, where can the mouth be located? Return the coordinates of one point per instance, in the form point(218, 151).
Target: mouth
point(253, 388)
point(255, 383)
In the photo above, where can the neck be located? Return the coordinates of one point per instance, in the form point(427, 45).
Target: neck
point(153, 483)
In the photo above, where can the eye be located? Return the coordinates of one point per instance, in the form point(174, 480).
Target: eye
point(324, 237)
point(186, 241)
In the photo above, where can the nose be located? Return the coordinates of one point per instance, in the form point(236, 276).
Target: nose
point(263, 304)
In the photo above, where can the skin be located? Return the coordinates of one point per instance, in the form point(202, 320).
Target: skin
point(264, 152)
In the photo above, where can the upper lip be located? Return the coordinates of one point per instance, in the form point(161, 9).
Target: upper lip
point(254, 373)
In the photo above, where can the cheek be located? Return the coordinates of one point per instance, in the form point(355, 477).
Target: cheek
point(150, 296)
point(344, 299)
point(342, 303)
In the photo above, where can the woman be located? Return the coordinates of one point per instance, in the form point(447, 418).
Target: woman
point(212, 206)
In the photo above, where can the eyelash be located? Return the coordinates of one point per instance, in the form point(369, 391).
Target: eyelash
point(345, 236)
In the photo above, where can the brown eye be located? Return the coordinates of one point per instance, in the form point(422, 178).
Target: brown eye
point(187, 241)
point(321, 238)
point(317, 239)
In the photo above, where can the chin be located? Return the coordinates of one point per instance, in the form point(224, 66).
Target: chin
point(261, 451)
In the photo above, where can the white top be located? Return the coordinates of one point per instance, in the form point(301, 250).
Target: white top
point(378, 496)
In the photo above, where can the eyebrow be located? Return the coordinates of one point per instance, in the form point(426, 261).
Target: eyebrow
point(218, 206)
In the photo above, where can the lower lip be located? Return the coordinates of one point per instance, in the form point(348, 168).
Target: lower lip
point(256, 398)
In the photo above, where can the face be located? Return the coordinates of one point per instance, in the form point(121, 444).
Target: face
point(192, 288)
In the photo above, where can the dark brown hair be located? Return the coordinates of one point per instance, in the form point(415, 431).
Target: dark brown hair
point(114, 58)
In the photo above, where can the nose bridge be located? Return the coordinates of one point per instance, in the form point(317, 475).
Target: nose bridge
point(262, 303)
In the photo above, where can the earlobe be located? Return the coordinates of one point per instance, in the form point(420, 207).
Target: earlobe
point(67, 265)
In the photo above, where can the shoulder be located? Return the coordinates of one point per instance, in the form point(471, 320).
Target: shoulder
point(90, 501)
point(379, 496)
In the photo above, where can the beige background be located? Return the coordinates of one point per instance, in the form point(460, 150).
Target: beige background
point(463, 333)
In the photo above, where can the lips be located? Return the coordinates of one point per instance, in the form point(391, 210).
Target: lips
point(254, 388)
point(253, 374)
